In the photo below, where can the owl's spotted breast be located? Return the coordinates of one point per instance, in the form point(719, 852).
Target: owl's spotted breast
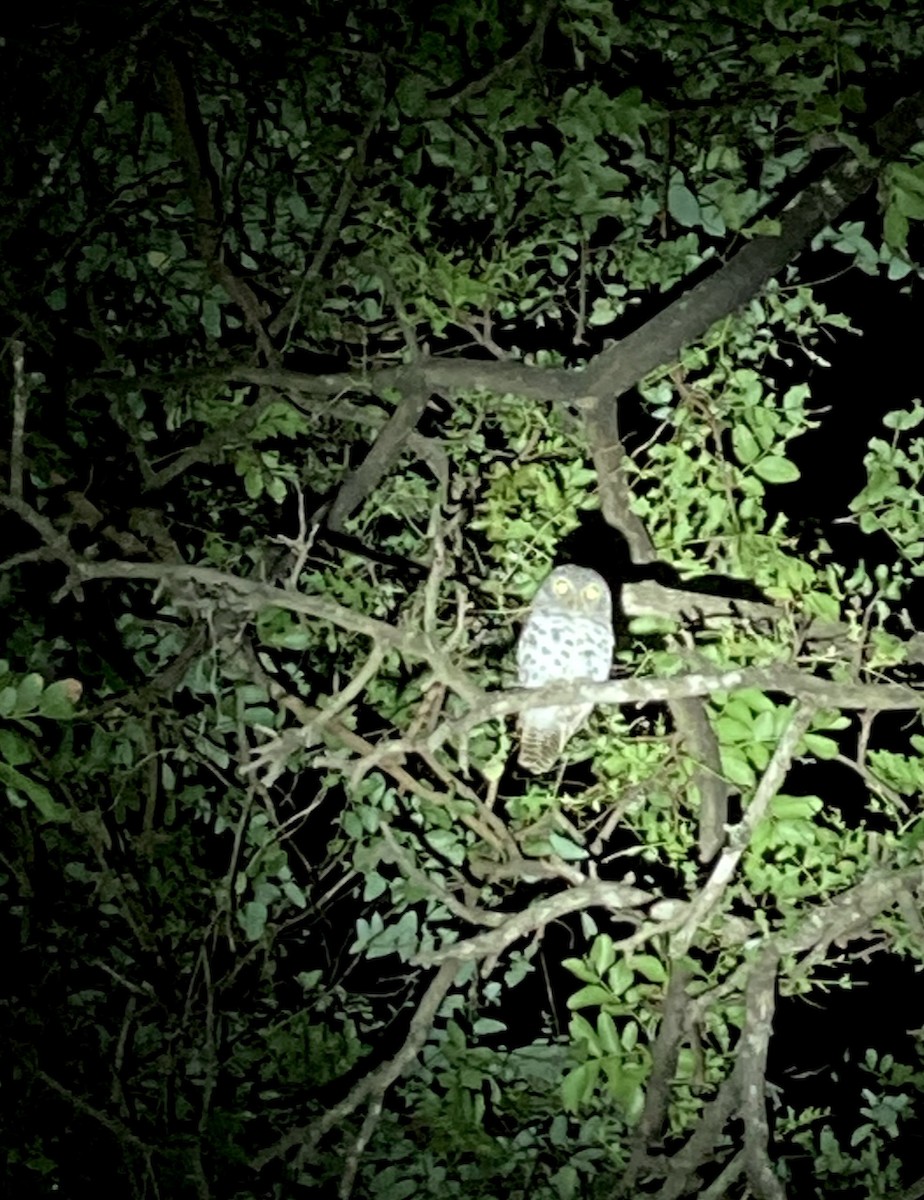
point(557, 646)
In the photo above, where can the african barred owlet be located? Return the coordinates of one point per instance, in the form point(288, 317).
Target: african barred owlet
point(567, 636)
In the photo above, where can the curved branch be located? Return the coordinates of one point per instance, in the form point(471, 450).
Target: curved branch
point(618, 368)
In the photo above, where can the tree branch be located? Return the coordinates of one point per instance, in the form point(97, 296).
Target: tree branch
point(752, 1071)
point(383, 454)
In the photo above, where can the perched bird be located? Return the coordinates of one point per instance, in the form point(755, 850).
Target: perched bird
point(567, 636)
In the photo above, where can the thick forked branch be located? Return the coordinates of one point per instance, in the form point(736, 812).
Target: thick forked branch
point(743, 1092)
point(621, 366)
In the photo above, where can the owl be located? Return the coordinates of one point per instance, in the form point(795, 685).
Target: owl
point(567, 636)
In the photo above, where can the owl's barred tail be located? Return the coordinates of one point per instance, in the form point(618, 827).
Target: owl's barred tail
point(539, 750)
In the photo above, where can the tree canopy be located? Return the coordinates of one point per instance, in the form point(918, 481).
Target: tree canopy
point(329, 330)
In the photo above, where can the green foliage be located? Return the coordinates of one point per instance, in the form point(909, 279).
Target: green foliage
point(893, 499)
point(246, 814)
point(712, 494)
point(614, 1058)
point(23, 704)
point(868, 1162)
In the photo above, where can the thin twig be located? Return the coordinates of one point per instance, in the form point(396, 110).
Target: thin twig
point(20, 398)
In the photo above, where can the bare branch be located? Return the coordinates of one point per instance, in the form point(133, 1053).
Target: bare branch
point(680, 1170)
point(661, 339)
point(620, 367)
point(191, 141)
point(116, 1128)
point(345, 189)
point(55, 542)
point(752, 1067)
point(474, 916)
point(20, 398)
point(664, 1055)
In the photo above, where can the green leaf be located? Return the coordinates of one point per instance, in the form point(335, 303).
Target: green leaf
point(253, 483)
point(624, 1084)
point(862, 1133)
point(592, 994)
point(794, 808)
point(683, 205)
point(602, 954)
point(295, 894)
point(448, 843)
point(49, 809)
point(58, 699)
point(14, 748)
point(578, 1085)
point(895, 228)
point(764, 227)
point(607, 1034)
point(566, 849)
point(579, 968)
point(211, 317)
point(28, 692)
point(374, 886)
point(899, 268)
point(910, 204)
point(908, 178)
point(620, 977)
point(650, 967)
point(745, 444)
point(580, 1030)
point(602, 312)
point(902, 420)
point(488, 1026)
point(736, 768)
point(821, 746)
point(566, 1182)
point(253, 918)
point(776, 469)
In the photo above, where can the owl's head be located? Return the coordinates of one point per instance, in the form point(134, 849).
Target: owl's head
point(577, 590)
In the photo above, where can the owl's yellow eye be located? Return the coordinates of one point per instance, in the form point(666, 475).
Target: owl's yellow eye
point(592, 592)
point(561, 586)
